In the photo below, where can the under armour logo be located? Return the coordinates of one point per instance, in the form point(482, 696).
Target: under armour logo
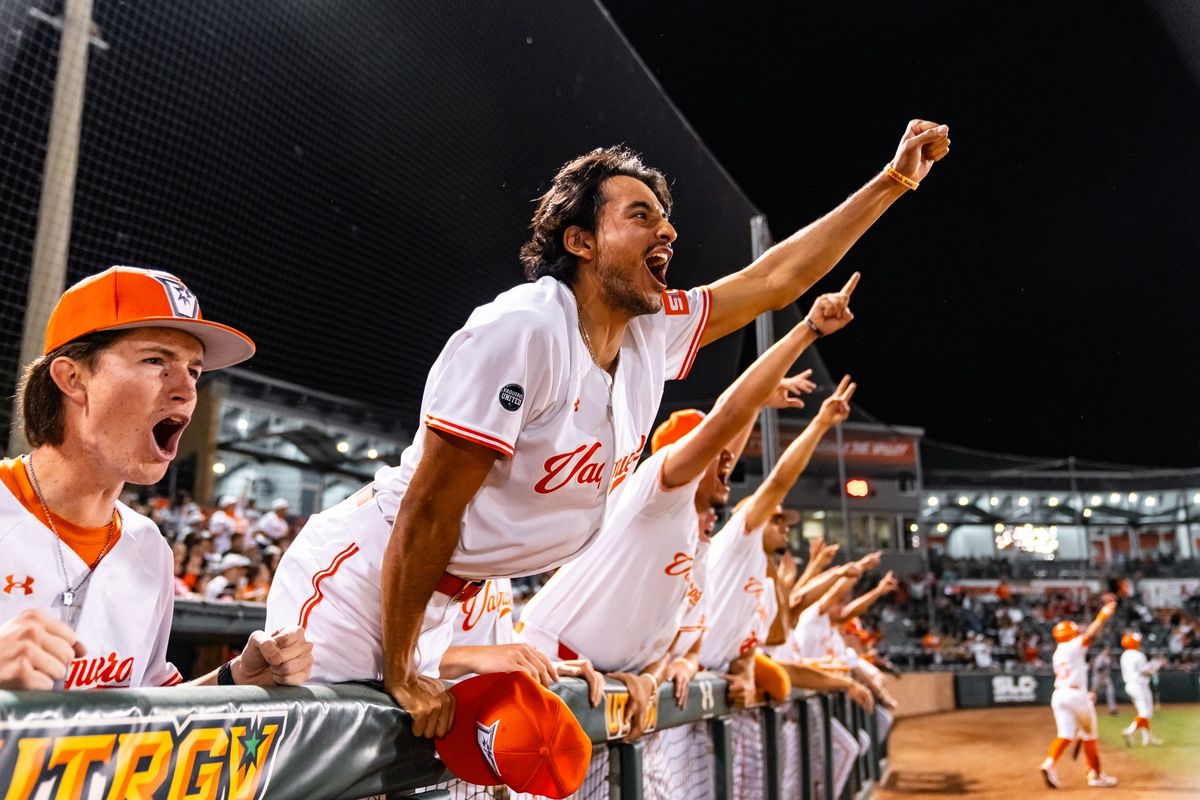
point(11, 584)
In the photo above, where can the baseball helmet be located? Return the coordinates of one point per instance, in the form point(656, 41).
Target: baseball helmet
point(1065, 631)
point(1131, 641)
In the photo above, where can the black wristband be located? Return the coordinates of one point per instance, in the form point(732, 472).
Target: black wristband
point(812, 326)
point(225, 675)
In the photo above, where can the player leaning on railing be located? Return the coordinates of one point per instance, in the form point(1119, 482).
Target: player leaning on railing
point(90, 588)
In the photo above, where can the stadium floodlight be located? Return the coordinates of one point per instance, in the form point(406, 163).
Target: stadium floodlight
point(1196, 497)
point(1096, 499)
point(914, 527)
point(1151, 501)
point(1023, 501)
point(218, 467)
point(1114, 498)
point(942, 527)
point(995, 501)
point(998, 527)
point(1133, 496)
point(1087, 513)
point(933, 501)
point(1052, 502)
point(963, 499)
point(372, 453)
point(242, 425)
point(343, 446)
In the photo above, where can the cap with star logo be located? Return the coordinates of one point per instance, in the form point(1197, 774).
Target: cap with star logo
point(509, 729)
point(122, 298)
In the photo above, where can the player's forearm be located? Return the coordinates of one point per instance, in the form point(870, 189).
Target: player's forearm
point(860, 604)
point(658, 668)
point(792, 266)
point(806, 593)
point(415, 560)
point(793, 462)
point(457, 661)
point(806, 677)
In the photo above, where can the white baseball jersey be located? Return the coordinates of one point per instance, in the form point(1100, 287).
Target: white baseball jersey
point(273, 525)
point(222, 526)
point(1070, 665)
point(125, 618)
point(813, 636)
point(637, 569)
point(695, 616)
point(742, 596)
point(486, 618)
point(1133, 668)
point(517, 378)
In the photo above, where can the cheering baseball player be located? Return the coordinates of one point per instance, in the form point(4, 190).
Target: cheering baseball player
point(642, 563)
point(535, 411)
point(90, 594)
point(1136, 672)
point(1074, 712)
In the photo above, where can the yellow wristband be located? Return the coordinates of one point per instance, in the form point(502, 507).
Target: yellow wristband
point(903, 180)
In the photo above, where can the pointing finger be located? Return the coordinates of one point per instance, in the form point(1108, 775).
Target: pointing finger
point(848, 289)
point(842, 386)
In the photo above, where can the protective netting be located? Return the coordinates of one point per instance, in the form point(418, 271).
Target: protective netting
point(596, 786)
point(678, 762)
point(789, 751)
point(748, 767)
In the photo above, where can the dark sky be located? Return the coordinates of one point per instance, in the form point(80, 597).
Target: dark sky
point(1037, 294)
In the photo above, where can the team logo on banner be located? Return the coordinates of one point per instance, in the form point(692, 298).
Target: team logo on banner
point(212, 755)
point(614, 715)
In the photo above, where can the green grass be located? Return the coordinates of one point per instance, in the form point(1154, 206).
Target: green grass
point(1178, 726)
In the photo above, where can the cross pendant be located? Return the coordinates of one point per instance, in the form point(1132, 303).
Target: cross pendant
point(68, 598)
point(69, 606)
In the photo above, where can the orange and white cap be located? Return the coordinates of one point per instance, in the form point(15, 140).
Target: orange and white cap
point(678, 425)
point(1065, 631)
point(509, 729)
point(771, 678)
point(1131, 641)
point(121, 298)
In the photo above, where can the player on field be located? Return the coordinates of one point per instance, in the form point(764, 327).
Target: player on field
point(90, 582)
point(1074, 712)
point(641, 566)
point(1136, 672)
point(535, 411)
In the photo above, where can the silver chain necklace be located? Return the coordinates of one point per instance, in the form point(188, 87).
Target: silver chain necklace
point(70, 596)
point(587, 340)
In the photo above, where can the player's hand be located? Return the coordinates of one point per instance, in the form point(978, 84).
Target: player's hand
point(922, 144)
point(427, 702)
point(825, 556)
point(680, 672)
point(787, 393)
point(815, 546)
point(1108, 609)
point(282, 659)
point(862, 696)
point(831, 312)
point(870, 561)
point(582, 668)
point(852, 570)
point(35, 651)
point(742, 692)
point(788, 571)
point(517, 657)
point(642, 690)
point(889, 583)
point(836, 408)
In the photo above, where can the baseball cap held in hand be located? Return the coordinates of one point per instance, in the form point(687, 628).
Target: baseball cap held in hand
point(121, 298)
point(509, 729)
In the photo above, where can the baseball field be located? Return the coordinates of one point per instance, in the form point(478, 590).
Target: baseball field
point(995, 753)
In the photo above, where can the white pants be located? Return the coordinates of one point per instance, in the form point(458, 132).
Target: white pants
point(1074, 714)
point(328, 581)
point(1142, 699)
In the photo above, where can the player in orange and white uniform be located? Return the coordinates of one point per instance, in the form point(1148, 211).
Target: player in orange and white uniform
point(535, 410)
point(644, 557)
point(1074, 712)
point(1136, 671)
point(744, 598)
point(88, 594)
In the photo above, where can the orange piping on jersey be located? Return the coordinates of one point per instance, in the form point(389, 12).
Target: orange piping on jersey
point(461, 432)
point(706, 302)
point(318, 595)
point(174, 680)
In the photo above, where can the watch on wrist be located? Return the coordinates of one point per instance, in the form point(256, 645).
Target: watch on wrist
point(225, 674)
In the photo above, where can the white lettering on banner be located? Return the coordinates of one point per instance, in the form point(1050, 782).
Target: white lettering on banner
point(708, 700)
point(1007, 689)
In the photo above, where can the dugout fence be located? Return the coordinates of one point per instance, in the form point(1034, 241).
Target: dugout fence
point(350, 741)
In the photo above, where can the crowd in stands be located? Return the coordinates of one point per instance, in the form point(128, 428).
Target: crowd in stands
point(224, 553)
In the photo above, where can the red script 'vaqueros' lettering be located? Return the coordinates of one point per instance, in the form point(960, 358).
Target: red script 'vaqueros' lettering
point(575, 465)
point(488, 601)
point(102, 671)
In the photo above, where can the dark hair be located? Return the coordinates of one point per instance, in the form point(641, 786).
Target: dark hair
point(40, 401)
point(574, 198)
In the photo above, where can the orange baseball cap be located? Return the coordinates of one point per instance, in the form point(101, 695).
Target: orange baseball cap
point(121, 298)
point(509, 729)
point(771, 678)
point(1065, 631)
point(678, 425)
point(1131, 641)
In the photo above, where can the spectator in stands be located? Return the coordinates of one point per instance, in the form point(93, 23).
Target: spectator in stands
point(256, 588)
point(231, 576)
point(274, 523)
point(105, 405)
point(224, 522)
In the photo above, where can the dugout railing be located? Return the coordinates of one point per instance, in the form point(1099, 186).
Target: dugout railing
point(350, 741)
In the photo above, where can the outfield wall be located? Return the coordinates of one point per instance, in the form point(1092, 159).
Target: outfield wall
point(989, 689)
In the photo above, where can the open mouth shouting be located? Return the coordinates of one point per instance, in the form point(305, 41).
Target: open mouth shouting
point(657, 262)
point(166, 433)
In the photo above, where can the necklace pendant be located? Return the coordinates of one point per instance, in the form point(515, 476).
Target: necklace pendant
point(68, 598)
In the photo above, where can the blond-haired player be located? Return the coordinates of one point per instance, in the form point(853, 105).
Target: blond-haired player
point(1074, 712)
point(90, 590)
point(1136, 671)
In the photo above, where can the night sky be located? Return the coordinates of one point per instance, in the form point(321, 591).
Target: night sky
point(1036, 295)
